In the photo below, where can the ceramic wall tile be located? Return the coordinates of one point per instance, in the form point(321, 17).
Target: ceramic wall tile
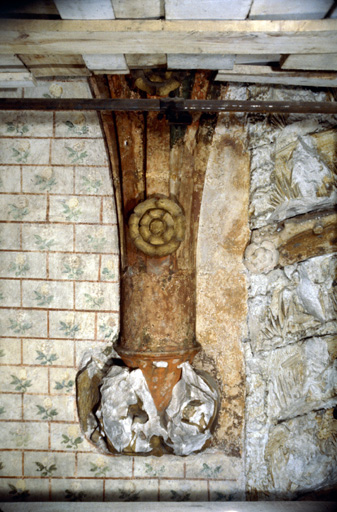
point(18, 435)
point(10, 293)
point(10, 406)
point(109, 268)
point(18, 379)
point(213, 466)
point(225, 490)
point(47, 352)
point(26, 124)
point(109, 211)
point(58, 89)
point(48, 465)
point(77, 124)
point(97, 296)
point(10, 351)
point(47, 294)
point(75, 209)
point(67, 324)
point(52, 179)
point(23, 264)
point(166, 466)
point(24, 489)
point(131, 490)
point(183, 490)
point(18, 323)
point(47, 237)
point(93, 181)
point(48, 408)
point(107, 326)
point(77, 152)
point(100, 239)
point(10, 178)
point(77, 490)
point(24, 151)
point(68, 437)
point(62, 381)
point(75, 267)
point(10, 237)
point(11, 464)
point(23, 208)
point(102, 466)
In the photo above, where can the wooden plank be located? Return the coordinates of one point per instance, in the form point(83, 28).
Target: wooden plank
point(11, 62)
point(160, 36)
point(267, 75)
point(147, 60)
point(199, 61)
point(289, 9)
point(13, 80)
point(103, 62)
point(310, 62)
point(55, 65)
point(134, 9)
point(85, 9)
point(207, 9)
point(254, 60)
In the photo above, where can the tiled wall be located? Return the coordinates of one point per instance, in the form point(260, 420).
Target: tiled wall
point(59, 300)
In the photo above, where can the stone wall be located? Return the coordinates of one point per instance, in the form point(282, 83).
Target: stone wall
point(291, 348)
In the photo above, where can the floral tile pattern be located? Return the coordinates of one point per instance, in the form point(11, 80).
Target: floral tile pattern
point(59, 301)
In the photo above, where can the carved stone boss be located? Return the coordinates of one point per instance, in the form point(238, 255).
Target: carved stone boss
point(157, 403)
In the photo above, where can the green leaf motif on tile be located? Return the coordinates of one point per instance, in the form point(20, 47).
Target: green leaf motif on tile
point(20, 384)
point(97, 243)
point(20, 437)
point(2, 353)
point(47, 413)
point(73, 273)
point(151, 471)
point(20, 266)
point(17, 128)
point(71, 209)
point(91, 185)
point(64, 384)
point(76, 155)
point(107, 273)
point(21, 153)
point(46, 358)
point(71, 442)
point(19, 492)
point(74, 495)
point(128, 495)
point(43, 299)
point(78, 127)
point(43, 243)
point(18, 212)
point(180, 495)
point(2, 297)
point(99, 469)
point(107, 330)
point(2, 410)
point(45, 183)
point(19, 327)
point(93, 302)
point(210, 472)
point(1, 465)
point(69, 329)
point(45, 470)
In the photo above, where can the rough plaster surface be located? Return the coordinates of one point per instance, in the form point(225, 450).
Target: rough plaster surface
point(291, 346)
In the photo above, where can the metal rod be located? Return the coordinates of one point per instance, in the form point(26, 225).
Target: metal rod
point(176, 104)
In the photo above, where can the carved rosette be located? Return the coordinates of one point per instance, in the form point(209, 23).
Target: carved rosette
point(261, 257)
point(157, 226)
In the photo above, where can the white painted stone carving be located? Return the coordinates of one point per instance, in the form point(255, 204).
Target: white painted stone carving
point(261, 257)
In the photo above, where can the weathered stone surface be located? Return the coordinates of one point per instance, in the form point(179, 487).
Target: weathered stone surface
point(292, 342)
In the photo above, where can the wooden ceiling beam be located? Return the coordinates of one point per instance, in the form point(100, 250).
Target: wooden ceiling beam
point(162, 36)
